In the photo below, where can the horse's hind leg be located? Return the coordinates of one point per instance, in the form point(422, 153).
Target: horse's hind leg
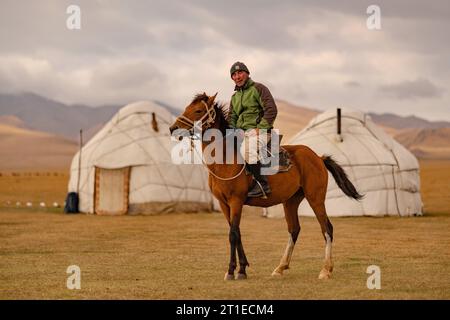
point(327, 232)
point(291, 215)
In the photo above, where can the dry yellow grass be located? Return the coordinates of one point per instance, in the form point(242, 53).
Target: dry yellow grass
point(435, 186)
point(185, 256)
point(33, 186)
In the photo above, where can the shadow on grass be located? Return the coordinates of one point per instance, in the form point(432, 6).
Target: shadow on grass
point(435, 214)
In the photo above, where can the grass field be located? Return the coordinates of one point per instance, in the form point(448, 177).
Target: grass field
point(184, 256)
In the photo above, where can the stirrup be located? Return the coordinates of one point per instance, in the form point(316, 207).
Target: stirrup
point(262, 194)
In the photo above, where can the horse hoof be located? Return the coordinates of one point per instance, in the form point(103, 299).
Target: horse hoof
point(241, 276)
point(324, 274)
point(228, 276)
point(277, 273)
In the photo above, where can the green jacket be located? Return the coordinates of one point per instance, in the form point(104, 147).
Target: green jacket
point(252, 106)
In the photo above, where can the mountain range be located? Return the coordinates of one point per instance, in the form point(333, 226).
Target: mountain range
point(426, 139)
point(40, 133)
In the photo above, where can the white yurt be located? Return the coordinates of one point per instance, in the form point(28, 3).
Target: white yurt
point(126, 168)
point(379, 167)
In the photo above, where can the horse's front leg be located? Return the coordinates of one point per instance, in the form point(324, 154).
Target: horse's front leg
point(229, 275)
point(236, 242)
point(243, 262)
point(233, 245)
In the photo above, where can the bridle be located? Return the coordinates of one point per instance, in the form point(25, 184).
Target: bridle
point(210, 117)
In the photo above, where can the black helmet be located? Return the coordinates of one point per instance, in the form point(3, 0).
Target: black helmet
point(238, 66)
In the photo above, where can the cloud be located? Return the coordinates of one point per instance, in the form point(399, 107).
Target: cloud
point(311, 52)
point(352, 84)
point(419, 88)
point(109, 81)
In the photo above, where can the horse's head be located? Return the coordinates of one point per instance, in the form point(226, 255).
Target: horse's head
point(200, 111)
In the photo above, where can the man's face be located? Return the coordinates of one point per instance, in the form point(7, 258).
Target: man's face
point(239, 77)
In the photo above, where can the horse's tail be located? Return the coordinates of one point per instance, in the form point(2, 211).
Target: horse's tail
point(341, 178)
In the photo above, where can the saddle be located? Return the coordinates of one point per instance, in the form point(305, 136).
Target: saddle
point(274, 163)
point(277, 163)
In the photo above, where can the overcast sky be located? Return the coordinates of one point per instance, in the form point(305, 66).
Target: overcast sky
point(318, 54)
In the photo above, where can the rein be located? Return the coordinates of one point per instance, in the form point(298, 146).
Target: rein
point(210, 117)
point(216, 176)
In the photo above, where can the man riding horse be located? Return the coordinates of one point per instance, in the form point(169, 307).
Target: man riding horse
point(306, 178)
point(253, 109)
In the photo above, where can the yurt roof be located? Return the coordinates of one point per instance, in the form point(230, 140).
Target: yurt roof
point(364, 143)
point(127, 139)
point(140, 107)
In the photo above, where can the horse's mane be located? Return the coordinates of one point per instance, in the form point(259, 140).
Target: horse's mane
point(219, 107)
point(200, 97)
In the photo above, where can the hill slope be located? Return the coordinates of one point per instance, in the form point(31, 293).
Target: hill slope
point(291, 118)
point(46, 115)
point(24, 149)
point(426, 143)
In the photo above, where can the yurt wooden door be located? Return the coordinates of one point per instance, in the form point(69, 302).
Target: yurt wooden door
point(111, 191)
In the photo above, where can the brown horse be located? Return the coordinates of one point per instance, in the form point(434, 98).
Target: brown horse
point(307, 178)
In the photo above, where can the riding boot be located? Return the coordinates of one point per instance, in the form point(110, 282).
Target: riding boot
point(261, 188)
